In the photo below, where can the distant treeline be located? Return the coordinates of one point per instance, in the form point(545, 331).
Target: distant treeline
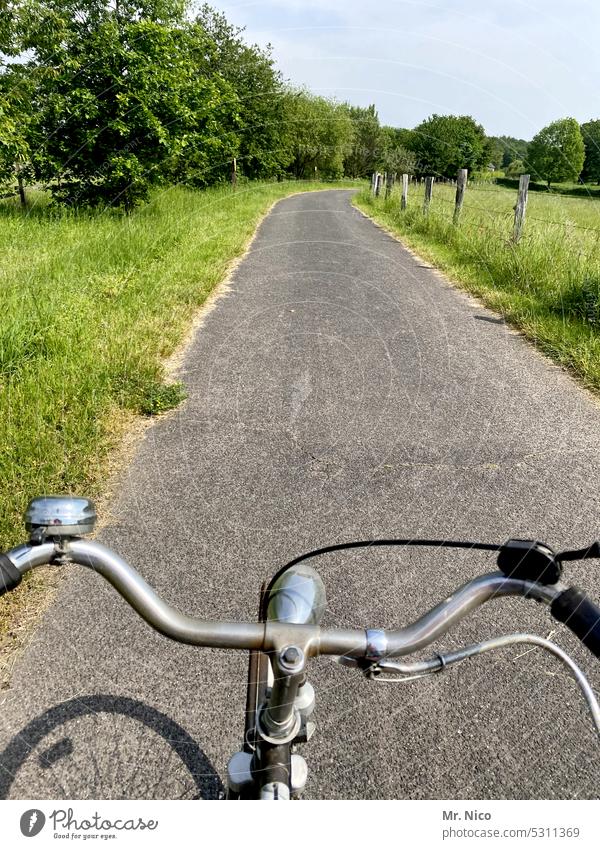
point(100, 100)
point(563, 151)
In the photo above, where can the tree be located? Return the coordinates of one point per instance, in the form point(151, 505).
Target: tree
point(319, 134)
point(556, 153)
point(361, 159)
point(506, 149)
point(15, 121)
point(259, 89)
point(392, 155)
point(124, 99)
point(516, 168)
point(444, 143)
point(9, 17)
point(590, 132)
point(15, 100)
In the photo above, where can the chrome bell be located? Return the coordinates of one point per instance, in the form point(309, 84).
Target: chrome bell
point(60, 516)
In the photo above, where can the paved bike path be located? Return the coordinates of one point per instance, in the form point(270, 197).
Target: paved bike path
point(340, 389)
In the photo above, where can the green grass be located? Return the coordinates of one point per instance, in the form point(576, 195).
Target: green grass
point(548, 285)
point(90, 307)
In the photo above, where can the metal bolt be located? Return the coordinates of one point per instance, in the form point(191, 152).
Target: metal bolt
point(291, 655)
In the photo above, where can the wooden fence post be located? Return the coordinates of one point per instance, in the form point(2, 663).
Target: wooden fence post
point(378, 185)
point(428, 193)
point(404, 200)
point(461, 184)
point(521, 207)
point(373, 182)
point(389, 185)
point(234, 173)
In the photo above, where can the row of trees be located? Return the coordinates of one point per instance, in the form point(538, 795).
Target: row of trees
point(562, 151)
point(565, 151)
point(102, 99)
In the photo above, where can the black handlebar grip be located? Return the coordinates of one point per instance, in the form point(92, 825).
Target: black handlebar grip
point(581, 615)
point(10, 576)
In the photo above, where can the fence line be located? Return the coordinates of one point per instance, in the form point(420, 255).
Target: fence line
point(467, 187)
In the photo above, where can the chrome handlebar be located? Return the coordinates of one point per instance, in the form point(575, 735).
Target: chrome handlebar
point(274, 635)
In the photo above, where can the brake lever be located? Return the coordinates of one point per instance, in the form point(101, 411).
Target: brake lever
point(369, 668)
point(372, 670)
point(438, 663)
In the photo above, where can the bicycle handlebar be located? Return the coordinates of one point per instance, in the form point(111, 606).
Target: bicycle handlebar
point(272, 635)
point(10, 577)
point(581, 615)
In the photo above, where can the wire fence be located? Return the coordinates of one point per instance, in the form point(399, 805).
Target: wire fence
point(518, 213)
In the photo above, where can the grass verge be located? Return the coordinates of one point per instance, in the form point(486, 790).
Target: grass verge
point(91, 305)
point(548, 285)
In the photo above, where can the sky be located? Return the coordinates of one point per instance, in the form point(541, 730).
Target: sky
point(514, 66)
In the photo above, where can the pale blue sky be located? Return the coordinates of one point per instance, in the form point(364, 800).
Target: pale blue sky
point(514, 66)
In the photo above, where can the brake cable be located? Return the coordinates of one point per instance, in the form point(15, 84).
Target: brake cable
point(518, 558)
point(370, 543)
point(589, 553)
point(374, 543)
point(439, 662)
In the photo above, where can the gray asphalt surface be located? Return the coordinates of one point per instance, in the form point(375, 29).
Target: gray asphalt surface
point(340, 390)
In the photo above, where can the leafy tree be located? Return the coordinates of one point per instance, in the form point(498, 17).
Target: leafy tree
point(250, 71)
point(319, 134)
point(124, 100)
point(363, 152)
point(505, 149)
point(556, 153)
point(15, 120)
point(9, 15)
point(516, 168)
point(590, 132)
point(444, 143)
point(15, 100)
point(393, 156)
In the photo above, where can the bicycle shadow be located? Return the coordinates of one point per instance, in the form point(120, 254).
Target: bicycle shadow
point(206, 781)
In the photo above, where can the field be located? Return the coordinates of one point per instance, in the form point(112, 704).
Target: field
point(548, 284)
point(90, 307)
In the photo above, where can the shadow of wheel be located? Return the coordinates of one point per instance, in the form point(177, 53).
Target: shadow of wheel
point(105, 747)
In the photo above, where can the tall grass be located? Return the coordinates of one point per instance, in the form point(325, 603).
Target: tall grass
point(90, 306)
point(548, 285)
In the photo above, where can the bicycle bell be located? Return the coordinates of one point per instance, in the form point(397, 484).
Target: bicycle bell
point(60, 516)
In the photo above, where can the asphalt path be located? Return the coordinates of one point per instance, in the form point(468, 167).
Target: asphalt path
point(341, 389)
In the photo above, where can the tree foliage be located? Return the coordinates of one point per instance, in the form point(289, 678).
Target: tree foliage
point(590, 132)
point(393, 156)
point(363, 152)
point(126, 94)
point(556, 153)
point(444, 143)
point(14, 117)
point(506, 149)
point(263, 150)
point(516, 168)
point(319, 134)
point(122, 100)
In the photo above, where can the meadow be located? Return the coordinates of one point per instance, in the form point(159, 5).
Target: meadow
point(91, 305)
point(547, 285)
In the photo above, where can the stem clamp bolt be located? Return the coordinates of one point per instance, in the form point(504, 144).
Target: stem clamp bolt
point(291, 656)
